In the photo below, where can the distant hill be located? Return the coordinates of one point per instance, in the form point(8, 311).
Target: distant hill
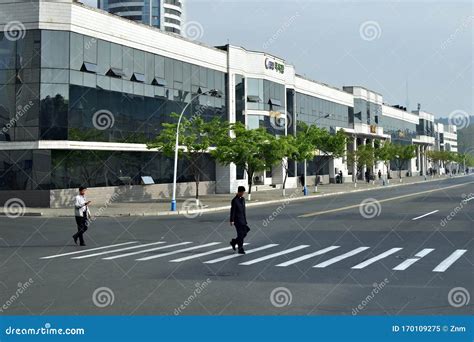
point(465, 136)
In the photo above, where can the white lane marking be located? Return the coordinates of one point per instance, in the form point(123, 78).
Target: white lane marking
point(274, 255)
point(307, 256)
point(376, 258)
point(419, 217)
point(146, 250)
point(444, 265)
point(341, 257)
point(178, 251)
point(204, 253)
point(118, 250)
point(87, 250)
point(250, 251)
point(408, 262)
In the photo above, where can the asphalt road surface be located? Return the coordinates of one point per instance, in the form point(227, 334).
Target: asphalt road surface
point(396, 251)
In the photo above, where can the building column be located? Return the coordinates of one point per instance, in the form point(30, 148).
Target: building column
point(364, 168)
point(372, 141)
point(418, 159)
point(354, 164)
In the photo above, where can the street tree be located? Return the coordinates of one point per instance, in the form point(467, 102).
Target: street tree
point(195, 139)
point(251, 149)
point(402, 154)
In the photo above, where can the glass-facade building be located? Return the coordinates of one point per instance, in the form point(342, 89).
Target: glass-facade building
point(78, 103)
point(65, 79)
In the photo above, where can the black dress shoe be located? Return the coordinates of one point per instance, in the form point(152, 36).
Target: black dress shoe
point(82, 244)
point(241, 251)
point(233, 243)
point(75, 239)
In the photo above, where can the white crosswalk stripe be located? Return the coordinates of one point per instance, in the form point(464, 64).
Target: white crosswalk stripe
point(274, 255)
point(408, 262)
point(376, 258)
point(146, 250)
point(446, 263)
point(118, 250)
point(250, 251)
point(178, 251)
point(341, 257)
point(87, 250)
point(307, 256)
point(204, 253)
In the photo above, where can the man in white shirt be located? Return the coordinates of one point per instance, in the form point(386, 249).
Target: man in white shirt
point(82, 214)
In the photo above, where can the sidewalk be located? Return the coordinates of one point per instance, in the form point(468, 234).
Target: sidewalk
point(217, 202)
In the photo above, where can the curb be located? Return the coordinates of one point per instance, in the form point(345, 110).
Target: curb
point(249, 204)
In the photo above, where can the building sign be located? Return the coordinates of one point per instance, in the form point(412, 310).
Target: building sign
point(373, 129)
point(273, 65)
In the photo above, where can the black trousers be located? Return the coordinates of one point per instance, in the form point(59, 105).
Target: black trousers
point(242, 231)
point(81, 228)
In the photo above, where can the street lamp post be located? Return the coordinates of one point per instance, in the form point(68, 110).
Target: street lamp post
point(212, 92)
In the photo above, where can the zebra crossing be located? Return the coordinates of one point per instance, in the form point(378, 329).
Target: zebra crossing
point(161, 249)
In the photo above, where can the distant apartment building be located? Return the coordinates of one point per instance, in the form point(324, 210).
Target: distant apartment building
point(167, 15)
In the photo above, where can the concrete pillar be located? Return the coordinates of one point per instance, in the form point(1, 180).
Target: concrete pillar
point(226, 179)
point(354, 165)
point(278, 172)
point(364, 168)
point(418, 158)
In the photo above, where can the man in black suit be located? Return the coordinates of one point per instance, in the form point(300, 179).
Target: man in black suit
point(239, 219)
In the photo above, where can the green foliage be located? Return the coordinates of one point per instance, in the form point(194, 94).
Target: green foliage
point(195, 137)
point(364, 155)
point(252, 149)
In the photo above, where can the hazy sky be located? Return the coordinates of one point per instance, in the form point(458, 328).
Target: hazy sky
point(387, 46)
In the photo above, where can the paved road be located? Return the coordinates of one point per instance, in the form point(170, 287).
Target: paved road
point(397, 253)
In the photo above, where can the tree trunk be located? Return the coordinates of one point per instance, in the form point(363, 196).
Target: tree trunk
point(249, 182)
point(284, 181)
